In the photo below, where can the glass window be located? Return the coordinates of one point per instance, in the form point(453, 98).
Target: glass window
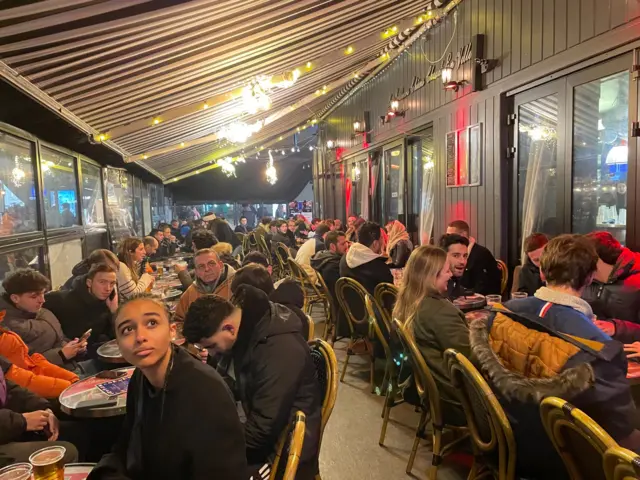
point(60, 191)
point(600, 153)
point(537, 167)
point(146, 209)
point(92, 203)
point(157, 203)
point(62, 258)
point(26, 258)
point(137, 206)
point(18, 212)
point(393, 187)
point(423, 185)
point(119, 204)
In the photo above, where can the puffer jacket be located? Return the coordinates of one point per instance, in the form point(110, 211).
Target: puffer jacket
point(275, 376)
point(618, 300)
point(527, 355)
point(40, 331)
point(34, 372)
point(400, 254)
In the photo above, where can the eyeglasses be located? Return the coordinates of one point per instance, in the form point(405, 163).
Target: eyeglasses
point(207, 266)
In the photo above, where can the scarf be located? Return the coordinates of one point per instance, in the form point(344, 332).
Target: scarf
point(210, 288)
point(548, 295)
point(397, 233)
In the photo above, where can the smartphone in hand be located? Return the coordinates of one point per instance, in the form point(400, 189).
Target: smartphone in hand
point(85, 336)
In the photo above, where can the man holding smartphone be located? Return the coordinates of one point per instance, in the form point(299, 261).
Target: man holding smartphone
point(87, 308)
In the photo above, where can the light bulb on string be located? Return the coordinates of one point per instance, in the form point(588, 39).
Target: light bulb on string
point(293, 150)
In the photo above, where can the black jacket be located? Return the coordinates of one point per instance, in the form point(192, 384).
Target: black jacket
point(275, 376)
point(165, 249)
point(327, 264)
point(78, 310)
point(242, 229)
point(78, 270)
point(291, 296)
point(529, 279)
point(618, 300)
point(190, 431)
point(12, 424)
point(400, 254)
point(280, 238)
point(222, 230)
point(482, 274)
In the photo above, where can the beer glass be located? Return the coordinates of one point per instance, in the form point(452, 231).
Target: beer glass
point(17, 471)
point(47, 463)
point(493, 299)
point(160, 271)
point(515, 295)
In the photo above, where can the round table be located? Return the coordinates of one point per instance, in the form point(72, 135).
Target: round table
point(473, 302)
point(87, 389)
point(477, 315)
point(109, 352)
point(78, 471)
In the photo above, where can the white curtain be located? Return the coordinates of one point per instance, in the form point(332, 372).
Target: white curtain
point(427, 210)
point(364, 189)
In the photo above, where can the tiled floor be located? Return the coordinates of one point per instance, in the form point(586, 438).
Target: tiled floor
point(350, 447)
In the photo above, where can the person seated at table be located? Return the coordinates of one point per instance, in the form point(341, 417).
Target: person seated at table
point(288, 292)
point(364, 261)
point(130, 283)
point(526, 358)
point(271, 363)
point(482, 274)
point(224, 250)
point(167, 242)
point(198, 224)
point(302, 232)
point(327, 262)
point(151, 246)
point(200, 238)
point(436, 324)
point(281, 236)
point(354, 228)
point(38, 327)
point(399, 246)
point(312, 246)
point(89, 305)
point(263, 231)
point(181, 420)
point(529, 280)
point(242, 227)
point(259, 259)
point(291, 233)
point(175, 230)
point(49, 380)
point(456, 247)
point(223, 232)
point(27, 425)
point(614, 294)
point(97, 256)
point(212, 278)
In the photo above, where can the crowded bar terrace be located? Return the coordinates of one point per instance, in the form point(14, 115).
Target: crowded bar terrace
point(319, 239)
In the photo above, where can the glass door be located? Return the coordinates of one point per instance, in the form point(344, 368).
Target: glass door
point(393, 184)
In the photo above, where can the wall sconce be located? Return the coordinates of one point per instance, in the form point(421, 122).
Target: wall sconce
point(392, 112)
point(330, 144)
point(358, 128)
point(447, 73)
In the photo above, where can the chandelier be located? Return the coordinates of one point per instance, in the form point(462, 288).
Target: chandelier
point(255, 96)
point(272, 175)
point(239, 132)
point(227, 166)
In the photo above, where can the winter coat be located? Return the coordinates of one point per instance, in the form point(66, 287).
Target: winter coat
point(618, 300)
point(280, 238)
point(78, 270)
point(244, 229)
point(327, 264)
point(165, 249)
point(222, 230)
point(40, 331)
point(274, 376)
point(190, 430)
point(48, 380)
point(482, 274)
point(78, 310)
point(527, 357)
point(291, 296)
point(529, 280)
point(437, 326)
point(19, 400)
point(191, 294)
point(366, 267)
point(400, 253)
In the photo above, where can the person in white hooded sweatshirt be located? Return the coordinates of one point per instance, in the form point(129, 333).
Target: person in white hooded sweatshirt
point(364, 261)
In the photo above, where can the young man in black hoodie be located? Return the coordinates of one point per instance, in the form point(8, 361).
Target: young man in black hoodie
point(272, 367)
point(181, 419)
point(482, 274)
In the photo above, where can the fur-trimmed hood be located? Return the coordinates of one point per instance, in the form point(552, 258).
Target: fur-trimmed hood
point(515, 386)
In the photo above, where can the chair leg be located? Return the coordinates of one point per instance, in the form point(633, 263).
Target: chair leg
point(436, 458)
point(372, 374)
point(344, 368)
point(422, 425)
point(385, 415)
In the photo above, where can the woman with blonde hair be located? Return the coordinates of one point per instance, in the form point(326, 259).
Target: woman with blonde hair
point(398, 246)
point(435, 322)
point(130, 283)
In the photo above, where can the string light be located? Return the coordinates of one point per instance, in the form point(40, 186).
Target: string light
point(293, 150)
point(205, 106)
point(349, 50)
point(308, 65)
point(156, 121)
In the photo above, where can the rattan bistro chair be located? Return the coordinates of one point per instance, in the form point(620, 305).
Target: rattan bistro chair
point(621, 464)
point(432, 408)
point(351, 297)
point(282, 254)
point(386, 295)
point(312, 293)
point(579, 440)
point(324, 359)
point(489, 427)
point(504, 272)
point(330, 312)
point(289, 444)
point(312, 328)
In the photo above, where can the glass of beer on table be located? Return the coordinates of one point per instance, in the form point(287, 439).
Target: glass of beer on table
point(47, 463)
point(17, 471)
point(160, 271)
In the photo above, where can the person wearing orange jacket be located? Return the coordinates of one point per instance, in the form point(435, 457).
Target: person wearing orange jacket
point(32, 372)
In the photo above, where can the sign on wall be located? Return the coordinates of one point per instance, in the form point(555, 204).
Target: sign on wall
point(464, 156)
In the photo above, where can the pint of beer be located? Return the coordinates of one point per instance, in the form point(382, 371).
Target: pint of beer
point(17, 471)
point(47, 463)
point(160, 271)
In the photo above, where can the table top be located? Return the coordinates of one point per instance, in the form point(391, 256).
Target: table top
point(109, 352)
point(87, 389)
point(476, 314)
point(78, 471)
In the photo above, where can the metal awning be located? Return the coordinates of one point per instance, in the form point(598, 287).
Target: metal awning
point(156, 80)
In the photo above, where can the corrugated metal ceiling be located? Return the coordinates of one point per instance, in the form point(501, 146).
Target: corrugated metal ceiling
point(110, 63)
